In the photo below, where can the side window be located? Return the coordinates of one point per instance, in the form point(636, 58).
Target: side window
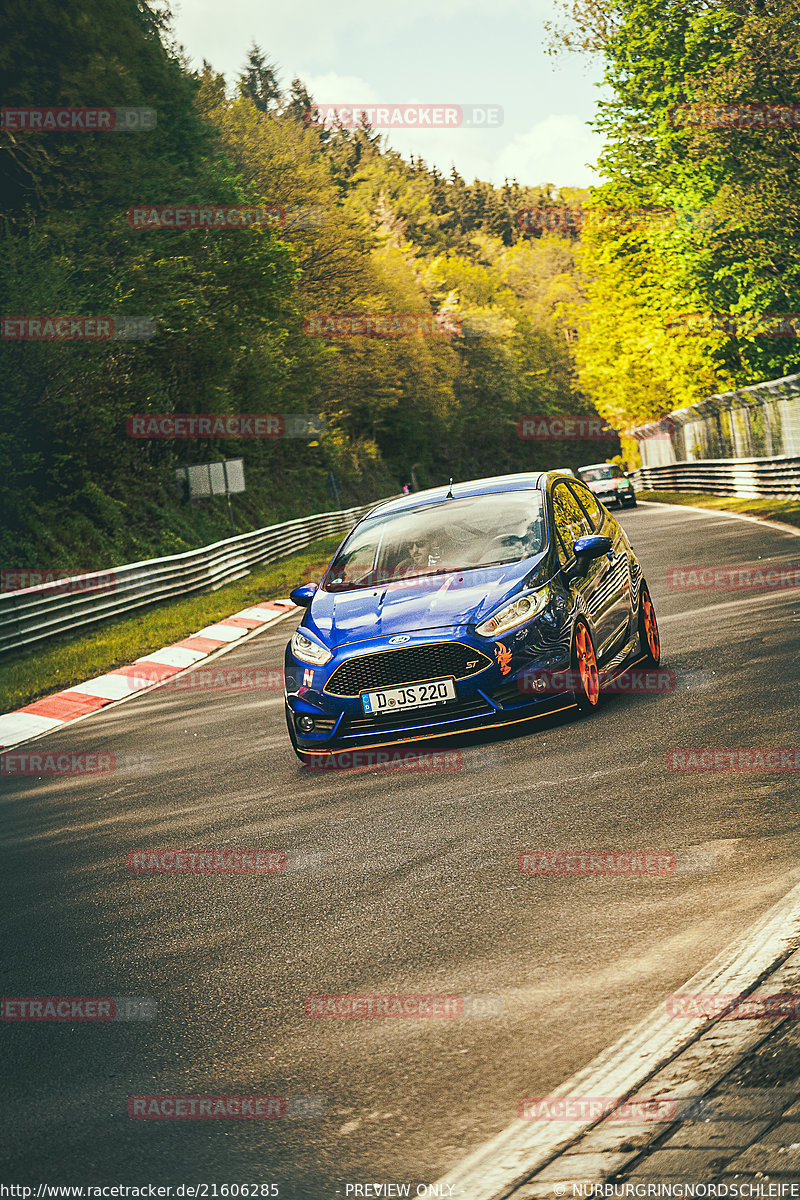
point(571, 521)
point(589, 502)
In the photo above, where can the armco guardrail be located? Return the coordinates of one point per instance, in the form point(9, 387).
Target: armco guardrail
point(779, 477)
point(34, 614)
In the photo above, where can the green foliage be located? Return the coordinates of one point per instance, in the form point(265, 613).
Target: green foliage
point(365, 231)
point(731, 249)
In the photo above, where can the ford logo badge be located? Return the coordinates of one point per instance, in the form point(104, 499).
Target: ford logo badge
point(398, 641)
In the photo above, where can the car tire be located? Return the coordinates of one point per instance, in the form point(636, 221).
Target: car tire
point(585, 671)
point(649, 637)
point(292, 734)
point(632, 503)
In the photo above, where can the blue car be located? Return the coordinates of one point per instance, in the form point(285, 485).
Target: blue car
point(466, 608)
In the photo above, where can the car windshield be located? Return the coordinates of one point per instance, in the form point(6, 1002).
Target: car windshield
point(433, 539)
point(597, 474)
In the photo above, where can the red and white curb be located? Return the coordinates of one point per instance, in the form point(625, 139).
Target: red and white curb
point(149, 671)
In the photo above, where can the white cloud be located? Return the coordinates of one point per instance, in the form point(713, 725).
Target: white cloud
point(341, 89)
point(456, 53)
point(555, 150)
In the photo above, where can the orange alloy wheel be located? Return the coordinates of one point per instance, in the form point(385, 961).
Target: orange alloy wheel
point(587, 665)
point(650, 626)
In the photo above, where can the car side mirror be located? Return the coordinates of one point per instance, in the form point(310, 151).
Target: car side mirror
point(303, 595)
point(591, 546)
point(586, 549)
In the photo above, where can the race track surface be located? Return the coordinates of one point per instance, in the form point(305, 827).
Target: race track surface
point(396, 882)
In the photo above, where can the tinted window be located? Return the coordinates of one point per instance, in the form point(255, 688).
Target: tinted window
point(433, 539)
point(571, 520)
point(591, 505)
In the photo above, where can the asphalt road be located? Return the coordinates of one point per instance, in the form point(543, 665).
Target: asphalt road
point(395, 883)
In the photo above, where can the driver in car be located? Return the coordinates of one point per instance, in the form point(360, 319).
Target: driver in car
point(420, 553)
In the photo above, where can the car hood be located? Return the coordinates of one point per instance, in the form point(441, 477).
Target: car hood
point(443, 601)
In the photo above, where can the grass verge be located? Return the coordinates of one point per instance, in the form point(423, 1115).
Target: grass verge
point(787, 511)
point(63, 662)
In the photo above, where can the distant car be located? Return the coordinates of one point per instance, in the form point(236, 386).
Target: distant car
point(446, 611)
point(609, 483)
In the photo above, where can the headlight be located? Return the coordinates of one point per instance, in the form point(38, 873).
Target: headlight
point(516, 613)
point(308, 651)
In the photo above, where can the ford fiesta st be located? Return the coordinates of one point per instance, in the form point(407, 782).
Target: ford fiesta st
point(466, 608)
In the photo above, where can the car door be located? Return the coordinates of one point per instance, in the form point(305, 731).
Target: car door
point(619, 570)
point(596, 585)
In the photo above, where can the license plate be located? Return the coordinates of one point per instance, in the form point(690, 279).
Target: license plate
point(412, 695)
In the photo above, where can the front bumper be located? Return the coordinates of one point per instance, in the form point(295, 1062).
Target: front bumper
point(506, 691)
point(614, 495)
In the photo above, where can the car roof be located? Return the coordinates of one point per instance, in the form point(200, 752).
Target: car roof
point(593, 466)
point(524, 481)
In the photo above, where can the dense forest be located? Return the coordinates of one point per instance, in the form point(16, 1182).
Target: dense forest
point(563, 310)
point(358, 229)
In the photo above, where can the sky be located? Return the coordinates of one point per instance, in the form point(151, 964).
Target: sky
point(456, 52)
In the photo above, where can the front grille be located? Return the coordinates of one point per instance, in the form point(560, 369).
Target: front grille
point(391, 667)
point(453, 710)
